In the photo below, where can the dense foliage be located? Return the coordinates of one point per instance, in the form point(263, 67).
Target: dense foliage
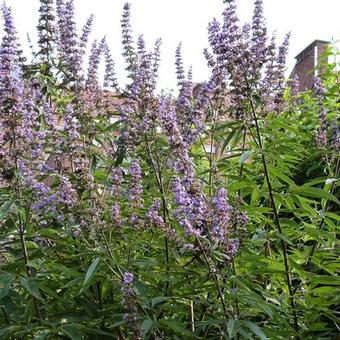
point(128, 214)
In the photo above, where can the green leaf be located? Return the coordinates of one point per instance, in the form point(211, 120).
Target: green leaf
point(255, 196)
point(177, 328)
point(241, 185)
point(230, 137)
point(29, 311)
point(233, 327)
point(42, 334)
point(50, 233)
point(106, 285)
point(314, 193)
point(91, 272)
point(5, 209)
point(99, 175)
point(72, 331)
point(49, 291)
point(278, 173)
point(283, 237)
point(159, 299)
point(7, 332)
point(333, 216)
point(88, 330)
point(325, 280)
point(147, 326)
point(244, 157)
point(5, 282)
point(32, 285)
point(303, 203)
point(255, 329)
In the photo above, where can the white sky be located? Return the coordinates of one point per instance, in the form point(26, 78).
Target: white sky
point(187, 21)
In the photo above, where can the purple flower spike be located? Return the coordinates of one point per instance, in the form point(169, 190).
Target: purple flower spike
point(129, 303)
point(136, 188)
point(221, 216)
point(128, 279)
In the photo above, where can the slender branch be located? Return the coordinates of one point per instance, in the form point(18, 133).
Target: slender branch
point(192, 316)
point(243, 147)
point(276, 217)
point(215, 278)
point(110, 254)
point(236, 299)
point(21, 231)
point(158, 174)
point(26, 261)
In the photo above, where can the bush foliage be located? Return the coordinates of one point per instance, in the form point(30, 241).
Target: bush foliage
point(128, 214)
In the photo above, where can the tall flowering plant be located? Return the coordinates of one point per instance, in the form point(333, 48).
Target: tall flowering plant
point(126, 213)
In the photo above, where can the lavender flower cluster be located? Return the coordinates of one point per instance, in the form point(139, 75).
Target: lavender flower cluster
point(327, 134)
point(157, 221)
point(48, 201)
point(191, 110)
point(246, 60)
point(215, 218)
point(58, 140)
point(129, 303)
point(136, 188)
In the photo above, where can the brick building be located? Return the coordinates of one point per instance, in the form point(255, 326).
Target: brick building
point(307, 62)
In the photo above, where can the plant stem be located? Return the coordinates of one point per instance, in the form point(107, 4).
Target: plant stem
point(234, 286)
point(192, 316)
point(158, 173)
point(233, 261)
point(111, 255)
point(215, 278)
point(243, 147)
point(276, 218)
point(21, 229)
point(27, 269)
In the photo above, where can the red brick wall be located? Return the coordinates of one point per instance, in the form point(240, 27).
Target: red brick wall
point(305, 63)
